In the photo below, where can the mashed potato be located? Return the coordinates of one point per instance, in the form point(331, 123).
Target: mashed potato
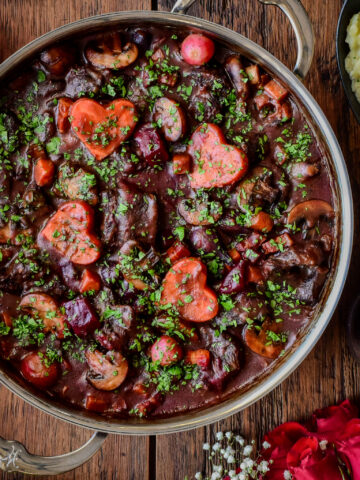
point(352, 61)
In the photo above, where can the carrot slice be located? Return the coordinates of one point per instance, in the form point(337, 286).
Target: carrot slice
point(276, 91)
point(177, 251)
point(89, 281)
point(69, 232)
point(44, 172)
point(253, 73)
point(216, 163)
point(255, 275)
point(199, 357)
point(63, 123)
point(181, 163)
point(185, 288)
point(102, 129)
point(262, 222)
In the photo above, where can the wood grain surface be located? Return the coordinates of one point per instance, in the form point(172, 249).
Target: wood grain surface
point(328, 375)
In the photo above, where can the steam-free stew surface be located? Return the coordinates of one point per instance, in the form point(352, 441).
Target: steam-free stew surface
point(167, 222)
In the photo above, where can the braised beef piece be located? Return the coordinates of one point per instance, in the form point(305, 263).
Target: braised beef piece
point(129, 215)
point(308, 255)
point(118, 320)
point(225, 354)
point(82, 81)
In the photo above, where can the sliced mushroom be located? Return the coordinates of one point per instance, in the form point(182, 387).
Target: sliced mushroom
point(135, 264)
point(170, 118)
point(302, 171)
point(260, 341)
point(256, 189)
point(310, 211)
point(47, 310)
point(234, 68)
point(107, 372)
point(200, 213)
point(111, 54)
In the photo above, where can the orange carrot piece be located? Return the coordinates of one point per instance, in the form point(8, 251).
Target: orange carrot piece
point(181, 163)
point(262, 222)
point(44, 172)
point(90, 281)
point(63, 123)
point(276, 91)
point(199, 357)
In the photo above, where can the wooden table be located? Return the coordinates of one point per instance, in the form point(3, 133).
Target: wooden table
point(328, 375)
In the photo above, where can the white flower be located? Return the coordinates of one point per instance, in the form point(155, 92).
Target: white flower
point(198, 476)
point(218, 468)
point(323, 444)
point(242, 465)
point(231, 459)
point(219, 436)
point(263, 466)
point(247, 450)
point(215, 476)
point(239, 439)
point(242, 476)
point(249, 463)
point(287, 475)
point(229, 435)
point(266, 445)
point(231, 473)
point(216, 447)
point(206, 446)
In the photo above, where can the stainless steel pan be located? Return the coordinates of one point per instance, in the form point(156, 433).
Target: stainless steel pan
point(13, 456)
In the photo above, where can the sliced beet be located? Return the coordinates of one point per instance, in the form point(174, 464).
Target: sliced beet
point(150, 145)
point(235, 280)
point(81, 317)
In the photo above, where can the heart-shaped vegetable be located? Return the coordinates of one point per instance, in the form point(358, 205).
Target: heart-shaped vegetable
point(70, 234)
point(102, 129)
point(216, 163)
point(184, 287)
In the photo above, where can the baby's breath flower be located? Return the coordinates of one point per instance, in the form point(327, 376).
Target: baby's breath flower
point(219, 436)
point(263, 466)
point(266, 445)
point(216, 446)
point(229, 435)
point(240, 440)
point(231, 459)
point(287, 475)
point(215, 476)
point(242, 476)
point(218, 468)
point(198, 476)
point(248, 450)
point(323, 444)
point(206, 446)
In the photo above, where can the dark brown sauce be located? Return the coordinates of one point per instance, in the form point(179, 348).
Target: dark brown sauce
point(293, 276)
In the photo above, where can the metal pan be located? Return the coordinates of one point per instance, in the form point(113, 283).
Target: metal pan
point(13, 456)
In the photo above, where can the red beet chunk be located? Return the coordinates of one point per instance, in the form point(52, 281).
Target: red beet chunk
point(235, 280)
point(35, 371)
point(150, 145)
point(81, 317)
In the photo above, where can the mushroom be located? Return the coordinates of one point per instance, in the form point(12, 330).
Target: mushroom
point(170, 118)
point(310, 211)
point(111, 54)
point(259, 340)
point(234, 69)
point(302, 171)
point(47, 310)
point(200, 213)
point(135, 263)
point(107, 372)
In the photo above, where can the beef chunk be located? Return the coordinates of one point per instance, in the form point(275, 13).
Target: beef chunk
point(225, 357)
point(309, 290)
point(118, 321)
point(309, 255)
point(82, 81)
point(130, 215)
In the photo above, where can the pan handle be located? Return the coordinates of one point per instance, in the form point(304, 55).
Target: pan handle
point(300, 22)
point(15, 458)
point(304, 33)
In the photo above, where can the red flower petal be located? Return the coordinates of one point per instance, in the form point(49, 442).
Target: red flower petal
point(283, 438)
point(348, 447)
point(328, 423)
point(320, 466)
point(303, 448)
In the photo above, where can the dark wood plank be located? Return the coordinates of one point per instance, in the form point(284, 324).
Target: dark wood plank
point(329, 374)
point(122, 458)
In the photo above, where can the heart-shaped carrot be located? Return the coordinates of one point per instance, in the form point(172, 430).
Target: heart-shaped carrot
point(102, 129)
point(70, 233)
point(184, 287)
point(216, 163)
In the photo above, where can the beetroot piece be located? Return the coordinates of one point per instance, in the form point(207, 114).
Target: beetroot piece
point(150, 145)
point(166, 350)
point(235, 280)
point(81, 317)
